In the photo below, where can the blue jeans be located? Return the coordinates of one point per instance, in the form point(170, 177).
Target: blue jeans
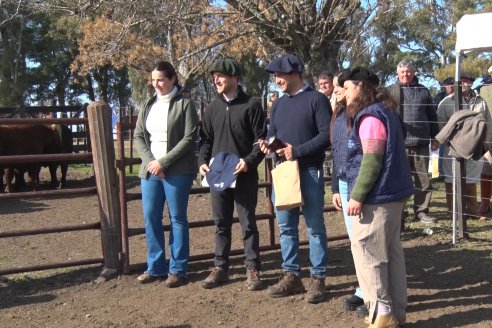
point(312, 190)
point(343, 189)
point(175, 189)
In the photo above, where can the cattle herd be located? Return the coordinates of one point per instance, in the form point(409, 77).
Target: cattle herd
point(33, 140)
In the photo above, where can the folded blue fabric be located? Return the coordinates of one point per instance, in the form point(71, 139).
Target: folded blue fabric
point(221, 173)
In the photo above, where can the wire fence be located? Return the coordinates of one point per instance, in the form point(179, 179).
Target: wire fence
point(440, 163)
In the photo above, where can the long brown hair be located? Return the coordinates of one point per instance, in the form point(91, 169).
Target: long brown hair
point(339, 105)
point(369, 95)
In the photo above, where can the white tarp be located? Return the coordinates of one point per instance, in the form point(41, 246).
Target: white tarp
point(474, 33)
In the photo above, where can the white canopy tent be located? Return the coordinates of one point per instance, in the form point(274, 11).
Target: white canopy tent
point(472, 34)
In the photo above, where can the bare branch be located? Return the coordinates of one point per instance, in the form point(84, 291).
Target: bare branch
point(6, 16)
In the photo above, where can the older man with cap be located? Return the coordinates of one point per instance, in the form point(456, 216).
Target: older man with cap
point(233, 123)
point(445, 109)
point(418, 111)
point(300, 119)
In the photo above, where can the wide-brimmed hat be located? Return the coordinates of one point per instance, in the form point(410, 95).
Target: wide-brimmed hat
point(285, 64)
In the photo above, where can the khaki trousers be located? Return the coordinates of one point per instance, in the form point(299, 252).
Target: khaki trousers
point(378, 257)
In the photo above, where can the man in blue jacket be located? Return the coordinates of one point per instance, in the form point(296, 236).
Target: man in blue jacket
point(300, 119)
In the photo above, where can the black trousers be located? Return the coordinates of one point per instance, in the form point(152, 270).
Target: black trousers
point(245, 197)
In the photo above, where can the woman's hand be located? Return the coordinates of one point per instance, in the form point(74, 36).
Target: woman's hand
point(155, 168)
point(354, 208)
point(337, 201)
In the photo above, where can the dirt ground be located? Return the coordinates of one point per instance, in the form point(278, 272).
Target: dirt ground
point(448, 285)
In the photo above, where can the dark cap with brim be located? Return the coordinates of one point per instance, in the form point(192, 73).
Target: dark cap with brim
point(360, 74)
point(222, 169)
point(448, 81)
point(227, 66)
point(467, 75)
point(285, 64)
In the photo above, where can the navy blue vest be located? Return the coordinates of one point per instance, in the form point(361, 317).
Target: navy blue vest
point(340, 137)
point(395, 181)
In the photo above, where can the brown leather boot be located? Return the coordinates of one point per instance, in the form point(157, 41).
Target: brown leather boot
point(385, 321)
point(289, 284)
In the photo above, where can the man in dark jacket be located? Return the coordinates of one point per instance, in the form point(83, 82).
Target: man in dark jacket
point(447, 88)
point(233, 123)
point(418, 112)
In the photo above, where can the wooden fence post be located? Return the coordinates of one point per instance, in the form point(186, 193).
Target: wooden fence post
point(101, 136)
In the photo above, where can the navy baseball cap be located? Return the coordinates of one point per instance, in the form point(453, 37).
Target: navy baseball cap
point(221, 173)
point(285, 64)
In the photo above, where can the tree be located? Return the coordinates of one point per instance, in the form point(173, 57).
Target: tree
point(474, 63)
point(120, 40)
point(422, 31)
point(14, 46)
point(136, 35)
point(56, 48)
point(314, 30)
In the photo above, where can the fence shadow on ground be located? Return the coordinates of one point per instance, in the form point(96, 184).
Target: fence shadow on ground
point(455, 280)
point(445, 276)
point(457, 319)
point(22, 206)
point(23, 290)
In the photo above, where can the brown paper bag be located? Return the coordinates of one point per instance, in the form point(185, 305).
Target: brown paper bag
point(287, 185)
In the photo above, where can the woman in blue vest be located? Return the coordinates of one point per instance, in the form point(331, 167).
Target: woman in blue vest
point(379, 184)
point(339, 134)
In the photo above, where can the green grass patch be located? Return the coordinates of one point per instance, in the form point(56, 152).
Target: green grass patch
point(23, 278)
point(84, 168)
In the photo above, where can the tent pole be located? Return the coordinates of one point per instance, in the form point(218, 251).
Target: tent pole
point(458, 164)
point(456, 108)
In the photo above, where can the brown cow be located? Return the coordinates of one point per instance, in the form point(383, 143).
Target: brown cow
point(28, 140)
